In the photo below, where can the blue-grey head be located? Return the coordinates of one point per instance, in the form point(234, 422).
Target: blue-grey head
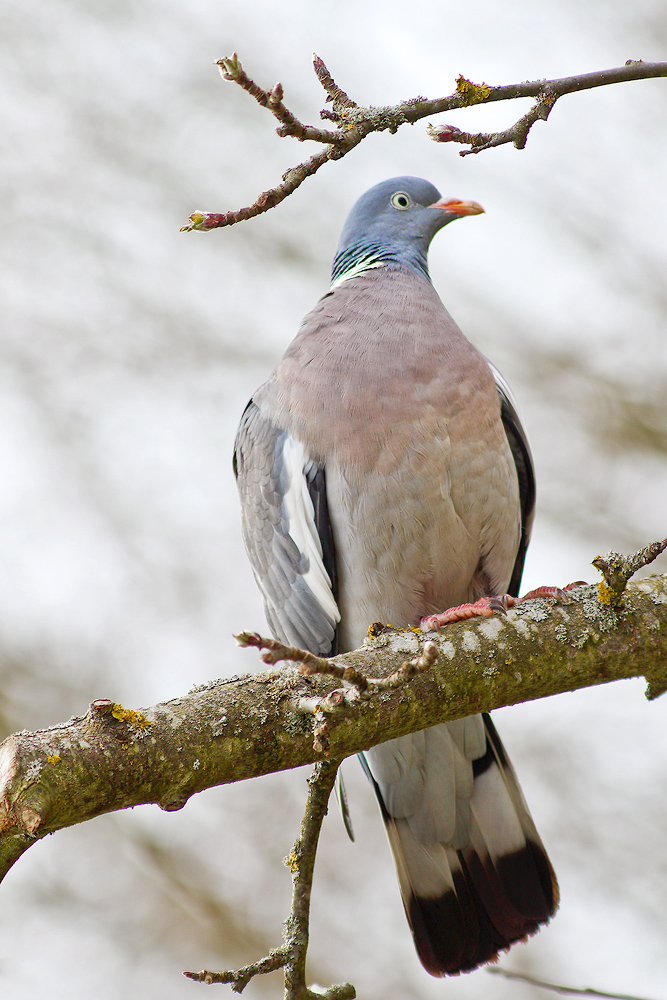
point(393, 224)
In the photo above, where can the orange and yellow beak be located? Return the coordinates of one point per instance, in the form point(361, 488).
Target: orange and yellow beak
point(454, 206)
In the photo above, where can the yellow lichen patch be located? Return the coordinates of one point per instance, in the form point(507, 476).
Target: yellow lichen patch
point(472, 92)
point(377, 628)
point(54, 758)
point(606, 594)
point(130, 716)
point(292, 862)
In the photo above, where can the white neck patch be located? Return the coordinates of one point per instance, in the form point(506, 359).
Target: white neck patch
point(355, 271)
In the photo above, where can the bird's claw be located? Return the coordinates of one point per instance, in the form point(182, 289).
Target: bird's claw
point(485, 607)
point(495, 604)
point(557, 593)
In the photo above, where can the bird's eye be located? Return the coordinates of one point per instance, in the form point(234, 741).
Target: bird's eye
point(400, 200)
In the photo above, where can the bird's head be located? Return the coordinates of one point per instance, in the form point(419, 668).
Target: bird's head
point(395, 221)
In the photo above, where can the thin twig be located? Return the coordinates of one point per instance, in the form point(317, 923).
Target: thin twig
point(479, 141)
point(231, 69)
point(301, 862)
point(309, 664)
point(292, 179)
point(240, 978)
point(355, 122)
point(322, 708)
point(333, 91)
point(275, 651)
point(564, 990)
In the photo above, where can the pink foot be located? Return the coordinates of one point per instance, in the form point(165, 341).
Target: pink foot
point(558, 593)
point(486, 606)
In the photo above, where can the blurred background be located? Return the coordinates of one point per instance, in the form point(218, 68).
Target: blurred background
point(127, 353)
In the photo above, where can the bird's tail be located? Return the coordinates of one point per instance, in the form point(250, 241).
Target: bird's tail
point(465, 905)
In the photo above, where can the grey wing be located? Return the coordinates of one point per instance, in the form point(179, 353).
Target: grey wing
point(287, 532)
point(523, 459)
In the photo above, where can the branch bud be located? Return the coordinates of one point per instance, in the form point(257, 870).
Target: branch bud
point(230, 67)
point(202, 222)
point(443, 133)
point(276, 95)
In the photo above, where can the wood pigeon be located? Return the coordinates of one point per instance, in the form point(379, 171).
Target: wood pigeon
point(384, 475)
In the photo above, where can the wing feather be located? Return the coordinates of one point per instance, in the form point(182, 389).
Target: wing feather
point(523, 459)
point(287, 532)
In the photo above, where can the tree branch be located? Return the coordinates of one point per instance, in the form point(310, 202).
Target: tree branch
point(230, 730)
point(354, 123)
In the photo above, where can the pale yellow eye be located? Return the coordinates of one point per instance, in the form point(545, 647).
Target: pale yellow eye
point(400, 200)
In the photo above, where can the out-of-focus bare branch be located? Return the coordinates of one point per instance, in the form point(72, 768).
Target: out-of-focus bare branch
point(569, 991)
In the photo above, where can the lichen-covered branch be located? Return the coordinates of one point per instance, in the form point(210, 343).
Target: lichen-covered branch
point(113, 758)
point(354, 123)
point(617, 570)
